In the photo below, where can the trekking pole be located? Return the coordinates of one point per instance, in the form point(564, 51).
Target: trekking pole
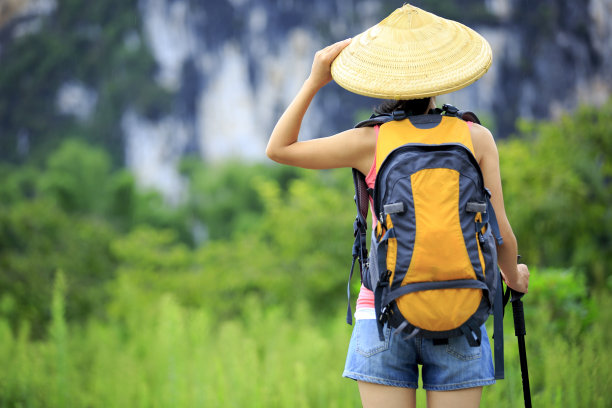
point(518, 314)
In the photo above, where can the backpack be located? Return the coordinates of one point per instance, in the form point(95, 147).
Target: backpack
point(433, 261)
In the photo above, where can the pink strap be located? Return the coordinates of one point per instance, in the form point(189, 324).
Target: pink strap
point(371, 176)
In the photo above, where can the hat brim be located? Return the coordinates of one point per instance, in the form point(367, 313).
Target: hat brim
point(412, 54)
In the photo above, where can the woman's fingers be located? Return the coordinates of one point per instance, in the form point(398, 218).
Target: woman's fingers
point(504, 277)
point(524, 272)
point(321, 66)
point(521, 283)
point(332, 51)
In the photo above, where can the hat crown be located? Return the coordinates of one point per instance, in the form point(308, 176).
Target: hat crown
point(407, 17)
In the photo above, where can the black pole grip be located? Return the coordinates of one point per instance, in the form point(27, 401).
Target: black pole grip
point(519, 318)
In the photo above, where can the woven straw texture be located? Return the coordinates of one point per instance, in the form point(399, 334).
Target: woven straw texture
point(412, 54)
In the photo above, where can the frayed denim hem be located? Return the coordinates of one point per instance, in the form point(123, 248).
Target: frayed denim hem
point(377, 380)
point(459, 386)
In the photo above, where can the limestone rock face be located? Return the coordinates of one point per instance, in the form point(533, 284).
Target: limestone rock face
point(233, 65)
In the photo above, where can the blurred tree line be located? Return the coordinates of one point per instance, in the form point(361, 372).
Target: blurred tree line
point(274, 233)
point(558, 191)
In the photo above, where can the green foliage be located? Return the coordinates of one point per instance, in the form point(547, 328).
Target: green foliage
point(36, 240)
point(79, 179)
point(18, 184)
point(65, 217)
point(225, 197)
point(59, 338)
point(563, 371)
point(558, 192)
point(565, 296)
point(168, 356)
point(308, 232)
point(151, 351)
point(277, 258)
point(76, 175)
point(110, 297)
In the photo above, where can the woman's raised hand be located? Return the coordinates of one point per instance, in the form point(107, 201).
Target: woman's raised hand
point(320, 74)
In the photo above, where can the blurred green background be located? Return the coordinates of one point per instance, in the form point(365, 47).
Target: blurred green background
point(112, 295)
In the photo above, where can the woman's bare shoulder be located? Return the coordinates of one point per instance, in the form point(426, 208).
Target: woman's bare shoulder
point(481, 133)
point(365, 139)
point(483, 141)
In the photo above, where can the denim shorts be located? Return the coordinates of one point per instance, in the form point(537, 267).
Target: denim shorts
point(395, 360)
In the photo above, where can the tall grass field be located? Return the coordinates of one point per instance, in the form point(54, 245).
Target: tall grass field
point(157, 353)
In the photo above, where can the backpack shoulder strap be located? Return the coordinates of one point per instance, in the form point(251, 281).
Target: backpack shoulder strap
point(379, 119)
point(362, 199)
point(360, 226)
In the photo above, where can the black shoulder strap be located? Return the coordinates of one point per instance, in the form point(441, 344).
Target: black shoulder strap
point(382, 118)
point(363, 193)
point(360, 227)
point(362, 199)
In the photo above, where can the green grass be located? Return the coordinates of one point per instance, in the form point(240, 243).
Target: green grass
point(163, 355)
point(156, 353)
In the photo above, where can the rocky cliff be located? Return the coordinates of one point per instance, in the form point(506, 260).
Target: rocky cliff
point(227, 69)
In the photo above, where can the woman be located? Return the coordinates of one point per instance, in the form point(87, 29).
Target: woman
point(388, 378)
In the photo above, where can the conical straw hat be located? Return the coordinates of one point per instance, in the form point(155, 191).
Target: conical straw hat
point(412, 54)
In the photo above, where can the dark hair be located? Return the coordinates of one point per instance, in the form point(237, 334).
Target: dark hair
point(410, 107)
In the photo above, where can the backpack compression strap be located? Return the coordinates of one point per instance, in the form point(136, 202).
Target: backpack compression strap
point(360, 226)
point(498, 330)
point(489, 217)
point(498, 302)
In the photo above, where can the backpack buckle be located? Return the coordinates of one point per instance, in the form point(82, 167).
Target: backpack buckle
point(384, 279)
point(398, 115)
point(384, 315)
point(481, 238)
point(450, 109)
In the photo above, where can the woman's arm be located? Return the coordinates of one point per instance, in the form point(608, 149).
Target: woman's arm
point(352, 148)
point(516, 276)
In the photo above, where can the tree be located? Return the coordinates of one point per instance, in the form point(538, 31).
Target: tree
point(558, 191)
